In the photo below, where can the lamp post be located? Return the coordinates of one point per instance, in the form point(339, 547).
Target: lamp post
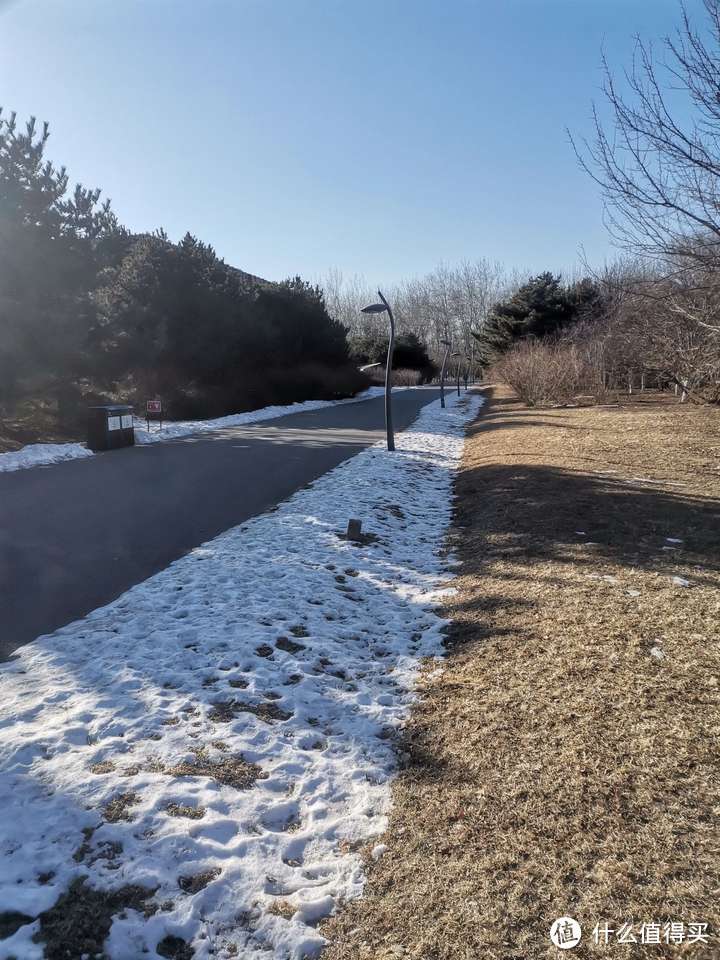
point(446, 344)
point(384, 307)
point(457, 356)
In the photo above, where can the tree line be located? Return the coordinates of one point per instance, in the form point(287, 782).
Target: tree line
point(90, 311)
point(450, 302)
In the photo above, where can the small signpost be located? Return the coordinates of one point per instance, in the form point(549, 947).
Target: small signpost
point(153, 408)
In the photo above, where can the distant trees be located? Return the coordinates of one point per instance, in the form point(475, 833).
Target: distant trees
point(88, 309)
point(540, 307)
point(449, 302)
point(477, 305)
point(409, 352)
point(626, 337)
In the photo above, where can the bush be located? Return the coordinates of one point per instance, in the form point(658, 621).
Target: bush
point(544, 373)
point(403, 377)
point(409, 353)
point(406, 378)
point(252, 388)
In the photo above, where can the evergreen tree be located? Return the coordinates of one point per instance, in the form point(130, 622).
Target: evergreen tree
point(539, 308)
point(49, 243)
point(86, 306)
point(409, 353)
point(293, 325)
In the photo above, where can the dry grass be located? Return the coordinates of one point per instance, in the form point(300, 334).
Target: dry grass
point(198, 881)
point(282, 908)
point(185, 811)
point(105, 766)
point(119, 807)
point(229, 771)
point(35, 421)
point(223, 711)
point(77, 926)
point(557, 766)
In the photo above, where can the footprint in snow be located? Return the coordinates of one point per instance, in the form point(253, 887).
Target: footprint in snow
point(283, 818)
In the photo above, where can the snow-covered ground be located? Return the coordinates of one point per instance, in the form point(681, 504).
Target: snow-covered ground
point(41, 454)
point(183, 428)
point(38, 454)
point(222, 734)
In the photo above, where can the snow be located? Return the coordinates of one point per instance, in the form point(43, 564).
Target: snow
point(680, 582)
point(40, 454)
point(171, 430)
point(280, 615)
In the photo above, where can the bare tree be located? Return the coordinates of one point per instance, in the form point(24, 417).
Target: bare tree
point(345, 299)
point(660, 175)
point(448, 302)
point(660, 178)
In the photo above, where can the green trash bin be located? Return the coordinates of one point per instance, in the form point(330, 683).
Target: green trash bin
point(110, 427)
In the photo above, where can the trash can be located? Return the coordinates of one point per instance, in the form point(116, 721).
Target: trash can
point(110, 427)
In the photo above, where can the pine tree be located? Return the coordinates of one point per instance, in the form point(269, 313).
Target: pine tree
point(539, 308)
point(49, 249)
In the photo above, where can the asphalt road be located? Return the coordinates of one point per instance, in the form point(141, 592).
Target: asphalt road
point(75, 535)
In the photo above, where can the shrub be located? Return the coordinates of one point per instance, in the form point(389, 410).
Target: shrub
point(254, 387)
point(406, 378)
point(544, 373)
point(409, 353)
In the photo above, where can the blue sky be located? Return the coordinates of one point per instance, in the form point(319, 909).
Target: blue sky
point(379, 137)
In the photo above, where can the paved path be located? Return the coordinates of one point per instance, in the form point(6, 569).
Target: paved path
point(75, 535)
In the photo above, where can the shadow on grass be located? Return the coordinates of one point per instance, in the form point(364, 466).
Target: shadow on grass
point(519, 523)
point(543, 513)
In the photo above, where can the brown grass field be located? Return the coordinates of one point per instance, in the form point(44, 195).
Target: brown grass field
point(565, 761)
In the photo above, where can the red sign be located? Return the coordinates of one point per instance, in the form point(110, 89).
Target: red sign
point(154, 406)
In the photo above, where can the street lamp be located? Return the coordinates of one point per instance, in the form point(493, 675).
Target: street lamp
point(384, 307)
point(446, 344)
point(457, 369)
